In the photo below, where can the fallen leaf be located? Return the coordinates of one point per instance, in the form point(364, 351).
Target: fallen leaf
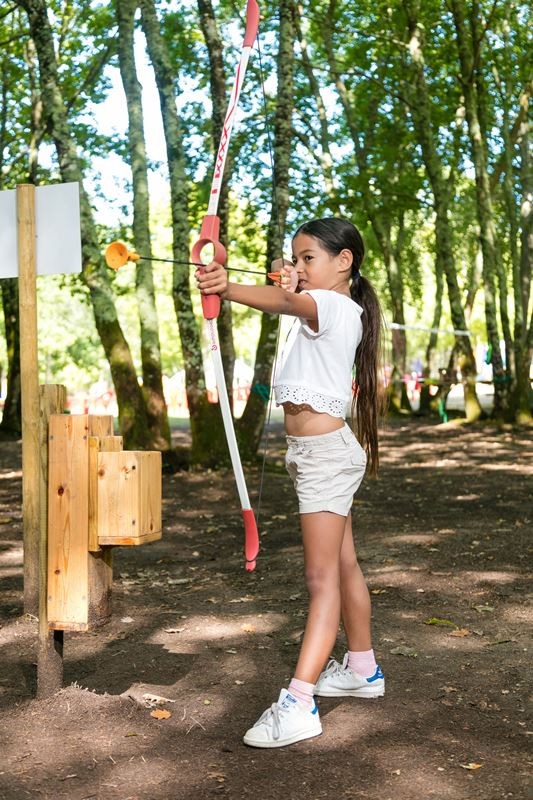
point(484, 609)
point(160, 713)
point(438, 621)
point(207, 702)
point(472, 765)
point(404, 650)
point(378, 591)
point(460, 632)
point(232, 652)
point(126, 619)
point(239, 683)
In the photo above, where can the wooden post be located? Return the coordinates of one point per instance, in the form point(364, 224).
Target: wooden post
point(29, 388)
point(53, 400)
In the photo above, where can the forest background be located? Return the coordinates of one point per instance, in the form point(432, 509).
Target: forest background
point(409, 118)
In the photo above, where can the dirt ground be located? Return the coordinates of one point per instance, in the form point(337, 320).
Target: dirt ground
point(442, 538)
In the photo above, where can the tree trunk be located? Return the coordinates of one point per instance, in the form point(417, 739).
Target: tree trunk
point(251, 424)
point(325, 158)
point(523, 340)
point(381, 225)
point(156, 409)
point(132, 409)
point(420, 109)
point(469, 57)
point(429, 368)
point(219, 99)
point(11, 420)
point(208, 446)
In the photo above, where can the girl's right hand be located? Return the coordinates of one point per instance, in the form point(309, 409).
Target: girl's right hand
point(284, 274)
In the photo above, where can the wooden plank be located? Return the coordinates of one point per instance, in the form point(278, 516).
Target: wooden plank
point(29, 388)
point(97, 445)
point(100, 425)
point(129, 497)
point(68, 512)
point(150, 502)
point(53, 400)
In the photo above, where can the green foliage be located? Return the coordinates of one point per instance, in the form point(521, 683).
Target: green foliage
point(371, 43)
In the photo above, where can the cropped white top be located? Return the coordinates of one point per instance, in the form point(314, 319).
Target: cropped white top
point(317, 367)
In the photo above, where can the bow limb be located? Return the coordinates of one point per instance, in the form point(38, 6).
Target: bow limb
point(209, 235)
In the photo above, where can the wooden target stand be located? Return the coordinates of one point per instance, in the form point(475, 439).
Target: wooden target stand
point(82, 493)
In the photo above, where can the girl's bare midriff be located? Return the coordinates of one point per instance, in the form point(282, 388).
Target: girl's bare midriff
point(303, 420)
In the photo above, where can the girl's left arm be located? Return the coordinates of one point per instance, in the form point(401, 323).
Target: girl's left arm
point(271, 299)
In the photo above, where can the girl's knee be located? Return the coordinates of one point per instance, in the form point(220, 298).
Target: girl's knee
point(348, 563)
point(321, 579)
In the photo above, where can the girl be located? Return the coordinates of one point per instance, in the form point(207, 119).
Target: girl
point(340, 323)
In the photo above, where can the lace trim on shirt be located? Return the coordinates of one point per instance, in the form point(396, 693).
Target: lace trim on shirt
point(319, 402)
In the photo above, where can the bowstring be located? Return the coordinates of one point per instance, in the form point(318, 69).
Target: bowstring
point(275, 210)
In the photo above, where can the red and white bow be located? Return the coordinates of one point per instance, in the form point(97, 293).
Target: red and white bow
point(209, 235)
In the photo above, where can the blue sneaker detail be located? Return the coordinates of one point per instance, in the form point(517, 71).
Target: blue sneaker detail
point(377, 676)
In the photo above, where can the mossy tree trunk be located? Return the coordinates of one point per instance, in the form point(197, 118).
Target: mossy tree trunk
point(420, 109)
point(208, 445)
point(132, 408)
point(468, 45)
point(380, 220)
point(523, 398)
point(11, 421)
point(219, 99)
point(156, 409)
point(251, 424)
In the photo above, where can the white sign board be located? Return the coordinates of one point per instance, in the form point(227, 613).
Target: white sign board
point(57, 226)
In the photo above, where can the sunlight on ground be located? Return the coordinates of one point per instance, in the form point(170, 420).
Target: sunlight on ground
point(200, 630)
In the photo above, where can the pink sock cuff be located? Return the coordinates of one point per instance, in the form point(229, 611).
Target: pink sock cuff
point(302, 690)
point(364, 662)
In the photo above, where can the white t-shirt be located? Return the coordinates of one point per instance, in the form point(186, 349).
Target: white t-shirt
point(317, 369)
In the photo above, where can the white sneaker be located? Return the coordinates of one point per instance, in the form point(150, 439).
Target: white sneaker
point(285, 722)
point(338, 680)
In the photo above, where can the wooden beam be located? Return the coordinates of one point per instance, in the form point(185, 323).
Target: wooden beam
point(53, 400)
point(29, 388)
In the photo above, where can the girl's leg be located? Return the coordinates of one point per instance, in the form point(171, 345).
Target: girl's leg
point(355, 597)
point(323, 534)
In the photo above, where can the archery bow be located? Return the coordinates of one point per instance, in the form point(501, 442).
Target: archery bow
point(209, 234)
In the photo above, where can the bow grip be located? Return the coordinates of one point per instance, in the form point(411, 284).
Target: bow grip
point(209, 235)
point(252, 23)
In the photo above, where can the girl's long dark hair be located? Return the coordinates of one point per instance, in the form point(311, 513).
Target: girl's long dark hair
point(368, 404)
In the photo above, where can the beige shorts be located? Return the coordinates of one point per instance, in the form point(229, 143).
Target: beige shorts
point(326, 470)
